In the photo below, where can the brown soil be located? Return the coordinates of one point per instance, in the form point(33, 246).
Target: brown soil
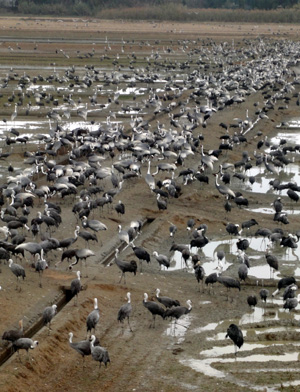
point(147, 359)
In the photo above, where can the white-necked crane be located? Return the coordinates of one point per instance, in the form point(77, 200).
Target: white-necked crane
point(178, 311)
point(99, 354)
point(93, 318)
point(166, 301)
point(24, 344)
point(18, 271)
point(125, 266)
point(125, 312)
point(76, 287)
point(82, 254)
point(154, 309)
point(223, 189)
point(48, 314)
point(83, 347)
point(40, 265)
point(162, 260)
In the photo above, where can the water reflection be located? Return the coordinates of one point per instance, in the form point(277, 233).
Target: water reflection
point(288, 258)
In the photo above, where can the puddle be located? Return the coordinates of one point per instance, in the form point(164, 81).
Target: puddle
point(255, 316)
point(208, 327)
point(263, 272)
point(288, 258)
point(179, 329)
point(270, 211)
point(287, 357)
point(290, 173)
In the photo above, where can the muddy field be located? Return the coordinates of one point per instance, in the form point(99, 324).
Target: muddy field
point(196, 356)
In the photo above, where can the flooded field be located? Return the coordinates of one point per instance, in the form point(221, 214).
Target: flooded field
point(181, 129)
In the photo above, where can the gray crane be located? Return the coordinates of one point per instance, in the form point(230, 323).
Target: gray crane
point(291, 303)
point(141, 254)
point(166, 301)
point(124, 235)
point(125, 312)
point(18, 271)
point(99, 353)
point(125, 266)
point(24, 344)
point(220, 257)
point(243, 272)
point(232, 228)
point(178, 311)
point(154, 309)
point(31, 247)
point(120, 208)
point(290, 291)
point(162, 260)
point(87, 236)
point(223, 189)
point(93, 318)
point(40, 265)
point(83, 347)
point(199, 273)
point(272, 261)
point(190, 224)
point(48, 314)
point(236, 335)
point(13, 334)
point(93, 224)
point(211, 279)
point(229, 283)
point(66, 242)
point(264, 293)
point(161, 204)
point(76, 287)
point(252, 301)
point(82, 254)
point(207, 160)
point(149, 178)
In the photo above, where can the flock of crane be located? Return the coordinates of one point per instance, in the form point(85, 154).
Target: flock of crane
point(104, 159)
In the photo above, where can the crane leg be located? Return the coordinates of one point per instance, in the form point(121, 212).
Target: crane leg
point(235, 350)
point(86, 268)
point(19, 356)
point(129, 325)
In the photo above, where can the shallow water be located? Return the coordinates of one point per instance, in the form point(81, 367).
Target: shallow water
point(288, 258)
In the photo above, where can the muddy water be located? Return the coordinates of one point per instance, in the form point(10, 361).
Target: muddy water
point(288, 258)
